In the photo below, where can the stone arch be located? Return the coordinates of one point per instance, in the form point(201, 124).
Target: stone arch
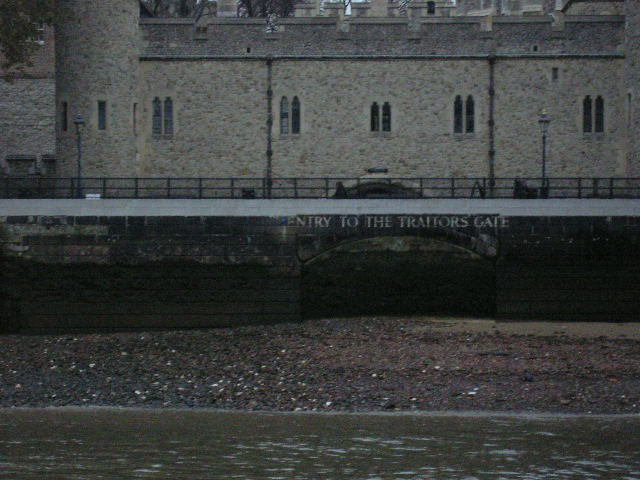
point(397, 275)
point(482, 244)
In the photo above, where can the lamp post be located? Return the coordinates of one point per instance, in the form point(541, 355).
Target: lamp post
point(544, 121)
point(79, 121)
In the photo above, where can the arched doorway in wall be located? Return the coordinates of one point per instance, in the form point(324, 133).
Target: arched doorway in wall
point(398, 276)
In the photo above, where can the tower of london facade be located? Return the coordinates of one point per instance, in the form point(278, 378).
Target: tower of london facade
point(429, 89)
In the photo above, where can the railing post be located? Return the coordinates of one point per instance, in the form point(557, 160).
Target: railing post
point(232, 188)
point(579, 187)
point(295, 188)
point(135, 187)
point(104, 187)
point(611, 187)
point(326, 187)
point(200, 187)
point(594, 188)
point(453, 187)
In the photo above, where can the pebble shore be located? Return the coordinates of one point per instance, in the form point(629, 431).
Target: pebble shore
point(354, 364)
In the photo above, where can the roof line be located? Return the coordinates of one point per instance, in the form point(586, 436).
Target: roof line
point(481, 56)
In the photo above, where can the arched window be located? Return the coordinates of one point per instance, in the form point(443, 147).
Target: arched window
point(168, 116)
point(284, 116)
point(587, 115)
point(470, 115)
point(431, 8)
point(457, 115)
point(386, 117)
point(295, 115)
point(156, 119)
point(375, 117)
point(161, 116)
point(599, 115)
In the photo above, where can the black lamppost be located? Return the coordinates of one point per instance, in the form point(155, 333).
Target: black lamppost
point(544, 121)
point(79, 121)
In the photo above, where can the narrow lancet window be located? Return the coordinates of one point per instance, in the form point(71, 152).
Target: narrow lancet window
point(470, 115)
point(386, 117)
point(134, 118)
point(295, 115)
point(457, 115)
point(64, 120)
point(168, 116)
point(375, 117)
point(587, 115)
point(102, 115)
point(156, 123)
point(599, 115)
point(284, 116)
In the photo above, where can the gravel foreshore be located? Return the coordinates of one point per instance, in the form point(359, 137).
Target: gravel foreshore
point(354, 364)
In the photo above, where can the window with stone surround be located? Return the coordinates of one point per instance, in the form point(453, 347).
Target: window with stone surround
point(162, 116)
point(386, 117)
point(593, 114)
point(457, 114)
point(587, 117)
point(64, 116)
point(290, 116)
point(156, 119)
point(599, 117)
point(168, 116)
point(464, 114)
point(284, 116)
point(470, 109)
point(375, 117)
point(134, 118)
point(381, 123)
point(295, 116)
point(102, 115)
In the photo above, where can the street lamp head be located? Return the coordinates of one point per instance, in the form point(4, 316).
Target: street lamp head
point(79, 120)
point(544, 121)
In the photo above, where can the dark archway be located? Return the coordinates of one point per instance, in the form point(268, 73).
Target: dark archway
point(398, 276)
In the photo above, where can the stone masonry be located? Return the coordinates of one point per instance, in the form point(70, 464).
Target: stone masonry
point(226, 77)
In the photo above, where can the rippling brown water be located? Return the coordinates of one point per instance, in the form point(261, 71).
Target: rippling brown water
point(183, 444)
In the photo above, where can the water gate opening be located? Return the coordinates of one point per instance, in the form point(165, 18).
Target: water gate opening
point(398, 276)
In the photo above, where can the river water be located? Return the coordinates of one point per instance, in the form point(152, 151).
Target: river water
point(181, 444)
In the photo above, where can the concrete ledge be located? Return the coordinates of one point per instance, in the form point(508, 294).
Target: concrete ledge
point(288, 207)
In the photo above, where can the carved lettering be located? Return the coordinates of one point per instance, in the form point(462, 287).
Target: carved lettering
point(349, 222)
point(379, 221)
point(401, 221)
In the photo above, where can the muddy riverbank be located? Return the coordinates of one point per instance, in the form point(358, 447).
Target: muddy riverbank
point(355, 364)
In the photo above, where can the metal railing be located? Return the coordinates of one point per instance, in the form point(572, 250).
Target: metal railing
point(326, 187)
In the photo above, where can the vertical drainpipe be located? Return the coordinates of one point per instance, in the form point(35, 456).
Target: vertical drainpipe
point(492, 123)
point(269, 178)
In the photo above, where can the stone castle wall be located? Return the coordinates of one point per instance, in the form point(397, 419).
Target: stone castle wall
point(220, 72)
point(632, 92)
point(27, 113)
point(67, 272)
point(97, 60)
point(27, 128)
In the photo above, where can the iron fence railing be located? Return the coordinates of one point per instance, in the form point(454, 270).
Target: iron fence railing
point(382, 187)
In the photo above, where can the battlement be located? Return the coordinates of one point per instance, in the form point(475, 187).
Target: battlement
point(383, 36)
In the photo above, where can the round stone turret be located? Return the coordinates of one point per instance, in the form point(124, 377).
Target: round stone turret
point(97, 71)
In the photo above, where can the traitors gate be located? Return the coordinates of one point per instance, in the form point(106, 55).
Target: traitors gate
point(98, 264)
